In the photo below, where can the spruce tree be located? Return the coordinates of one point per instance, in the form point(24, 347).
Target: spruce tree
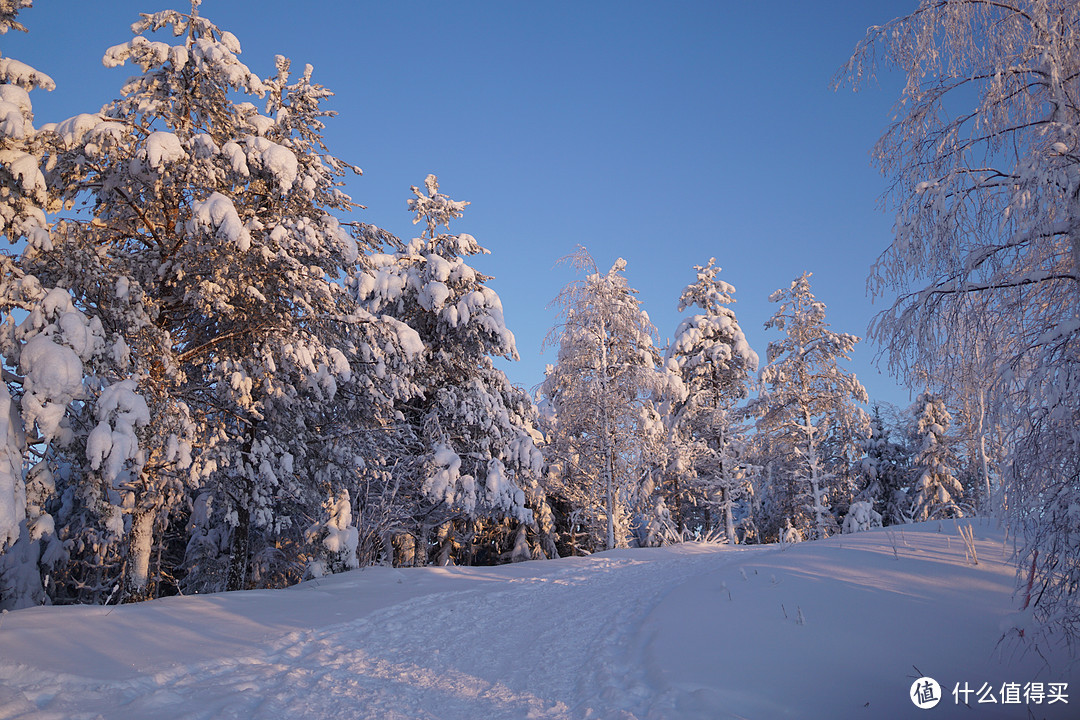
point(472, 461)
point(936, 490)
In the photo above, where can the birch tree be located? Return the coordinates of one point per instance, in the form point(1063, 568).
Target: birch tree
point(984, 168)
point(601, 392)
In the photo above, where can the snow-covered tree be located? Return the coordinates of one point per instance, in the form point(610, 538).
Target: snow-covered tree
point(22, 215)
point(861, 516)
point(984, 163)
point(44, 342)
point(885, 471)
point(711, 357)
point(808, 416)
point(936, 491)
point(468, 431)
point(228, 357)
point(601, 393)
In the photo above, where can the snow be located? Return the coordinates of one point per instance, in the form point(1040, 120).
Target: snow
point(144, 52)
point(218, 215)
point(14, 110)
point(12, 490)
point(113, 442)
point(82, 336)
point(53, 379)
point(217, 58)
point(341, 535)
point(277, 160)
point(230, 42)
point(13, 72)
point(827, 629)
point(434, 296)
point(440, 486)
point(12, 121)
point(163, 148)
point(17, 96)
point(203, 146)
point(89, 126)
point(410, 342)
point(237, 158)
point(25, 168)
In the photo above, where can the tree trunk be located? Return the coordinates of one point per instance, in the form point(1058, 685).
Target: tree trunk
point(676, 497)
point(729, 520)
point(140, 548)
point(815, 479)
point(984, 465)
point(609, 472)
point(609, 440)
point(240, 547)
point(815, 491)
point(239, 550)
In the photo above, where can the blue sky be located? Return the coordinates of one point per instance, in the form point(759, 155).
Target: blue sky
point(664, 133)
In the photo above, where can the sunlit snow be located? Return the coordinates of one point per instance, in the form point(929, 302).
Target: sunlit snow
point(839, 628)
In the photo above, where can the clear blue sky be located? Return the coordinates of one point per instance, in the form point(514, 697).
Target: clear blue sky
point(662, 132)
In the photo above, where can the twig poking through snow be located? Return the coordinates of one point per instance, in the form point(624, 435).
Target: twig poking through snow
point(892, 539)
point(968, 533)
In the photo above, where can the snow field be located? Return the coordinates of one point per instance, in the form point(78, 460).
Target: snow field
point(690, 631)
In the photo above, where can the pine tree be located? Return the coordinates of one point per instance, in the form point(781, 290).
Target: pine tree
point(230, 363)
point(44, 350)
point(714, 363)
point(601, 393)
point(807, 412)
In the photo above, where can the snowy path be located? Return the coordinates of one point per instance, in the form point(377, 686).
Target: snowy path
point(560, 644)
point(831, 629)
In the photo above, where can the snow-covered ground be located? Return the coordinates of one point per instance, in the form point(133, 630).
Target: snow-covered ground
point(832, 629)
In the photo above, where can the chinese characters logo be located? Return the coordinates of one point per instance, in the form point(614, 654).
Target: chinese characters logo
point(925, 693)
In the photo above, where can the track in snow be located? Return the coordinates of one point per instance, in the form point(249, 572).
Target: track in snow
point(562, 641)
